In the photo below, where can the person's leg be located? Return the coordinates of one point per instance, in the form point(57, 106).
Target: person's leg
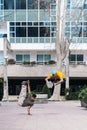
point(28, 109)
point(52, 89)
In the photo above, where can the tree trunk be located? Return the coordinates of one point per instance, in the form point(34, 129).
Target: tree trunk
point(56, 93)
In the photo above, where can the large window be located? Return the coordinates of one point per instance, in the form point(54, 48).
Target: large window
point(8, 4)
point(20, 31)
point(22, 58)
point(76, 31)
point(41, 58)
point(1, 58)
point(20, 4)
point(44, 32)
point(76, 58)
point(1, 7)
point(32, 4)
point(33, 29)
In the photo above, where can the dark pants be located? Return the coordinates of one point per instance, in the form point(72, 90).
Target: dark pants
point(62, 90)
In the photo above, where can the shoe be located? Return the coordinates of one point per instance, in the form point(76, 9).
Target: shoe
point(29, 114)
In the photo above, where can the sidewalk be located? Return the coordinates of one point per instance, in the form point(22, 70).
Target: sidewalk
point(66, 115)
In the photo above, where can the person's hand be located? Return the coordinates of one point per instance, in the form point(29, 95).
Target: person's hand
point(28, 81)
point(56, 84)
point(46, 79)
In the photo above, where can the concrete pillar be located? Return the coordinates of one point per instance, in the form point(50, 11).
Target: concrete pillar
point(5, 87)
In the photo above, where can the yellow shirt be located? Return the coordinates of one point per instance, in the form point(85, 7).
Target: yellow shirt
point(59, 75)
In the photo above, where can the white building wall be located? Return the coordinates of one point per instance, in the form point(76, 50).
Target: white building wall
point(1, 44)
point(32, 46)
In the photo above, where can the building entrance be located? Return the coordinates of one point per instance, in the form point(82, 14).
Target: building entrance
point(1, 91)
point(15, 85)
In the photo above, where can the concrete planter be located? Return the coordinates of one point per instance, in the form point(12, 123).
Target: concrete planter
point(41, 98)
point(83, 104)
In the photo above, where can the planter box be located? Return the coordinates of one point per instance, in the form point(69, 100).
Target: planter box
point(83, 104)
point(41, 98)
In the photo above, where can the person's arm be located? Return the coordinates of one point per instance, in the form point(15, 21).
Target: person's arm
point(46, 79)
point(59, 82)
point(29, 90)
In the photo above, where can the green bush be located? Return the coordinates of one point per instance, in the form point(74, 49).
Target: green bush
point(11, 61)
point(26, 62)
point(52, 62)
point(72, 96)
point(83, 95)
point(46, 90)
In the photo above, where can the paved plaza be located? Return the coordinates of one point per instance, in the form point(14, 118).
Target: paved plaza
point(63, 115)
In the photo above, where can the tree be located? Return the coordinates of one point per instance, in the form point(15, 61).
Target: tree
point(62, 45)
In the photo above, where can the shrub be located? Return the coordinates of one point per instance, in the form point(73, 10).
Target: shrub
point(33, 63)
point(83, 95)
point(72, 96)
point(52, 62)
point(26, 63)
point(11, 61)
point(46, 90)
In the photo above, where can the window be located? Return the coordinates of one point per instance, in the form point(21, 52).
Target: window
point(1, 7)
point(84, 31)
point(20, 4)
point(21, 58)
point(79, 58)
point(32, 4)
point(26, 58)
point(85, 6)
point(42, 4)
point(8, 4)
point(76, 58)
point(32, 31)
point(20, 31)
point(43, 58)
point(72, 58)
point(1, 58)
point(76, 31)
point(44, 32)
point(40, 58)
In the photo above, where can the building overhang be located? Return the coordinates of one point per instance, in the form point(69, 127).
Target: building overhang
point(78, 47)
point(32, 46)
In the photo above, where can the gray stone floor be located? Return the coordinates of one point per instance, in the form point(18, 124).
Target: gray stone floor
point(66, 115)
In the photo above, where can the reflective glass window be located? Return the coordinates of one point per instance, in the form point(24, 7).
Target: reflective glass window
point(20, 31)
point(76, 31)
point(20, 4)
point(72, 57)
point(79, 57)
point(47, 58)
point(8, 4)
point(32, 31)
point(19, 58)
point(39, 58)
point(32, 4)
point(85, 6)
point(42, 4)
point(44, 31)
point(84, 31)
point(1, 58)
point(26, 58)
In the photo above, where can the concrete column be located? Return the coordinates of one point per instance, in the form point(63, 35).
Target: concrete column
point(5, 87)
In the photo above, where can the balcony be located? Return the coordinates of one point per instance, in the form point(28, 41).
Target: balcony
point(28, 70)
point(78, 70)
point(42, 70)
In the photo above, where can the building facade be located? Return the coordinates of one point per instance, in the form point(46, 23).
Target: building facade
point(31, 29)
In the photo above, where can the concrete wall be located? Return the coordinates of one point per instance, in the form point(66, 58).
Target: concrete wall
point(42, 70)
